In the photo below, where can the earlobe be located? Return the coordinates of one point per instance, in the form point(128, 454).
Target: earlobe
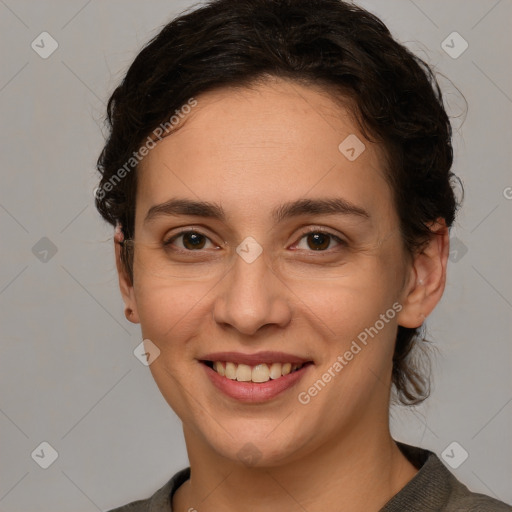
point(125, 283)
point(128, 313)
point(427, 280)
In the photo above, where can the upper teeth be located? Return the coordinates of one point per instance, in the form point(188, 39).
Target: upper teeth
point(259, 373)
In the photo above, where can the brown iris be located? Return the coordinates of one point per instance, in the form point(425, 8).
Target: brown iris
point(320, 241)
point(193, 240)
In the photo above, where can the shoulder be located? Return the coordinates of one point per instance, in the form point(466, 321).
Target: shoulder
point(435, 488)
point(134, 506)
point(463, 500)
point(160, 501)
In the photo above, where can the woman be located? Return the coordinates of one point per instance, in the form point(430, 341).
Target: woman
point(278, 172)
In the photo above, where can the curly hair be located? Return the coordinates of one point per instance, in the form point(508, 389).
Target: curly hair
point(345, 49)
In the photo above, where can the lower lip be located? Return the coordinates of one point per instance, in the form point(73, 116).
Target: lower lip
point(252, 391)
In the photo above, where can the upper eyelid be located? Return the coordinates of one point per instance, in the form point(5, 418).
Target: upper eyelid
point(340, 239)
point(184, 231)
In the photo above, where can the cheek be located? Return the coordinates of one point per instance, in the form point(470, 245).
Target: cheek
point(355, 356)
point(170, 313)
point(172, 316)
point(366, 290)
point(359, 323)
point(354, 318)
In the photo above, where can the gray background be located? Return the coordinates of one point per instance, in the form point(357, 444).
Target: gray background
point(67, 370)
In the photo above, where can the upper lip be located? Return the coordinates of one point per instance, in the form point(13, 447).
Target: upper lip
point(267, 357)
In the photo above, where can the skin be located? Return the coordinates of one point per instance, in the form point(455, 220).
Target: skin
point(250, 150)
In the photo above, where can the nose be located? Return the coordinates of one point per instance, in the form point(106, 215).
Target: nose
point(251, 296)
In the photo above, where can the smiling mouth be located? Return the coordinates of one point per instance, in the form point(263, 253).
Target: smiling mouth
point(258, 373)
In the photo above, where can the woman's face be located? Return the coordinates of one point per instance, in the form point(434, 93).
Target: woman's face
point(277, 278)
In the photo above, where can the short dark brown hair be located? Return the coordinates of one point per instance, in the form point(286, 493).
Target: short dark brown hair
point(331, 43)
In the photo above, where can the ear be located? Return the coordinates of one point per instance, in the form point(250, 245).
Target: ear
point(427, 278)
point(125, 283)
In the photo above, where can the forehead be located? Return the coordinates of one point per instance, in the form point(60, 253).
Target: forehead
point(252, 148)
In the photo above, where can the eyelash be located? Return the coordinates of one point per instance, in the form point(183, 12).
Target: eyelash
point(168, 243)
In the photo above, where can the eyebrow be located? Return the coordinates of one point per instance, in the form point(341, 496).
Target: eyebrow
point(327, 206)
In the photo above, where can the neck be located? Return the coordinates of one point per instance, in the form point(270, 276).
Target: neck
point(359, 471)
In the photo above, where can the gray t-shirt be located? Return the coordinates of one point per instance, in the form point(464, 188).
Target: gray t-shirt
point(433, 488)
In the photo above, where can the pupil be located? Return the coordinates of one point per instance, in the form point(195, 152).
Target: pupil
point(193, 240)
point(321, 241)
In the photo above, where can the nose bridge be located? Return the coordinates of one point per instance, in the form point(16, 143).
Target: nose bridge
point(251, 295)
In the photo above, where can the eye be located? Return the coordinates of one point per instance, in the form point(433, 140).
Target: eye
point(319, 240)
point(190, 240)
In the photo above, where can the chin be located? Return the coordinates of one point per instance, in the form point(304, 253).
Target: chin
point(252, 448)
